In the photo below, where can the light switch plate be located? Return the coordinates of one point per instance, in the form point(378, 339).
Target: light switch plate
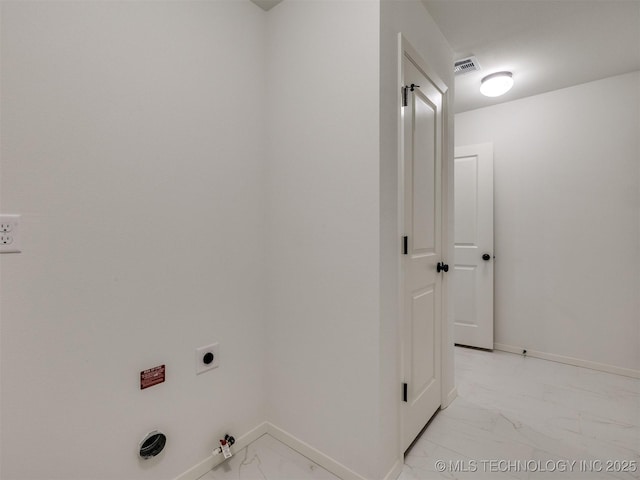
point(10, 234)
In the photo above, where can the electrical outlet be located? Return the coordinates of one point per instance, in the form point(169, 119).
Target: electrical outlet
point(207, 358)
point(10, 234)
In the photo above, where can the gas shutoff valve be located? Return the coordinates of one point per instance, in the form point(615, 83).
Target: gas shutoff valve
point(225, 446)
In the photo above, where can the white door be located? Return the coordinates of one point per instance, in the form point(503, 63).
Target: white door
point(422, 216)
point(473, 286)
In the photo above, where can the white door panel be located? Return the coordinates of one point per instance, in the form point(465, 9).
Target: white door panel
point(473, 290)
point(423, 177)
point(422, 217)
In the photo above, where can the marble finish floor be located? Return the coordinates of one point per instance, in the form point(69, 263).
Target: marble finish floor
point(513, 415)
point(517, 414)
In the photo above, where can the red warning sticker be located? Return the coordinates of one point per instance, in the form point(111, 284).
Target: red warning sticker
point(151, 377)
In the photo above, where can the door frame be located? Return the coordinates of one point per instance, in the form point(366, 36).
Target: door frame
point(446, 330)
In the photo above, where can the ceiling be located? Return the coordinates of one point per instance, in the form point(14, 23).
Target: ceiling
point(547, 44)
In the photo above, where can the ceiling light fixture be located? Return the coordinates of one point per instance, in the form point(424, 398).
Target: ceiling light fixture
point(496, 84)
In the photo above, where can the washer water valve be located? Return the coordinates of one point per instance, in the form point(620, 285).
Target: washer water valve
point(225, 446)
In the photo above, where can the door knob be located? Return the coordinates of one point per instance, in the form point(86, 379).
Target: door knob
point(442, 267)
point(486, 257)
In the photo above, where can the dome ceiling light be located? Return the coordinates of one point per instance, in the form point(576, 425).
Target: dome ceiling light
point(496, 84)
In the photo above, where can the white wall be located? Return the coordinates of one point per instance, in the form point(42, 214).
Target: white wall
point(334, 247)
point(567, 219)
point(269, 140)
point(132, 139)
point(323, 252)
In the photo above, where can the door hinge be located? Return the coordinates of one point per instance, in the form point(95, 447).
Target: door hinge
point(404, 392)
point(405, 93)
point(405, 245)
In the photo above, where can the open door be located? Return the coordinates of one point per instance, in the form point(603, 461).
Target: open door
point(422, 264)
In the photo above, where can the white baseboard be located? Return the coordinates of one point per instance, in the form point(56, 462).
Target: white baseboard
point(603, 367)
point(312, 454)
point(213, 460)
point(395, 471)
point(303, 448)
point(451, 396)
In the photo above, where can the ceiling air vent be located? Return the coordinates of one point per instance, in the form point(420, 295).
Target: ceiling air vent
point(466, 65)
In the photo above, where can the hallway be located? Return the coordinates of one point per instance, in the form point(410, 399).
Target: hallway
point(517, 410)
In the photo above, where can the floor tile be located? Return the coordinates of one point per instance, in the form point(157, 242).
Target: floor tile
point(522, 417)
